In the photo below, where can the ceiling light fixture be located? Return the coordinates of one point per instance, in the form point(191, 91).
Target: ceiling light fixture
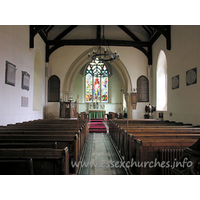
point(106, 55)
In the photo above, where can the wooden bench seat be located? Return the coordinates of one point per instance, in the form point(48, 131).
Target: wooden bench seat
point(54, 127)
point(81, 137)
point(55, 121)
point(155, 136)
point(52, 145)
point(62, 141)
point(36, 161)
point(130, 146)
point(148, 151)
point(120, 136)
point(56, 134)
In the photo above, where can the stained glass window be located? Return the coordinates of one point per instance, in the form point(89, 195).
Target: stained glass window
point(104, 89)
point(97, 82)
point(89, 88)
point(96, 90)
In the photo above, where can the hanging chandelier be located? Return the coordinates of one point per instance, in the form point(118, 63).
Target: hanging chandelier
point(97, 64)
point(106, 55)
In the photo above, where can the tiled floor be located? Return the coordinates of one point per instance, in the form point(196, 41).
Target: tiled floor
point(100, 156)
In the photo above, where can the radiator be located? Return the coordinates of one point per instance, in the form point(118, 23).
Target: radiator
point(171, 158)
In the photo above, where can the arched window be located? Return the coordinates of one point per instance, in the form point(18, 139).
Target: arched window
point(142, 89)
point(53, 89)
point(161, 85)
point(96, 76)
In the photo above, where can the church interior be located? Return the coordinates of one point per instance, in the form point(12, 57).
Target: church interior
point(125, 96)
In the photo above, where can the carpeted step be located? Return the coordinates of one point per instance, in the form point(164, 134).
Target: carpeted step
point(93, 130)
point(96, 120)
point(97, 126)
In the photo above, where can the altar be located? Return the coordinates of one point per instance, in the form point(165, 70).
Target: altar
point(96, 113)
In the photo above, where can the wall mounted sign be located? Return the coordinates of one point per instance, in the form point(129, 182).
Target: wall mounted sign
point(191, 76)
point(10, 73)
point(25, 80)
point(175, 82)
point(24, 101)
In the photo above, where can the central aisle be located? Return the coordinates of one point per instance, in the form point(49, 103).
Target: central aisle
point(100, 157)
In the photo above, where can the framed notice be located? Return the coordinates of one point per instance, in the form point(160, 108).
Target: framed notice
point(25, 80)
point(10, 73)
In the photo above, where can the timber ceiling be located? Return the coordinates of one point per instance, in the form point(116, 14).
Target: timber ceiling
point(141, 37)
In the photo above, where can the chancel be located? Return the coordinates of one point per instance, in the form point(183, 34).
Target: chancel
point(122, 96)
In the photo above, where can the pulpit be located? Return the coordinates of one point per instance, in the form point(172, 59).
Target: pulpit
point(68, 109)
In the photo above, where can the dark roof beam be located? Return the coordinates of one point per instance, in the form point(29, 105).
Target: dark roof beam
point(34, 29)
point(136, 44)
point(96, 42)
point(166, 32)
point(98, 32)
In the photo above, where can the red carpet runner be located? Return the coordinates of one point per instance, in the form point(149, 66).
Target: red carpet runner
point(97, 126)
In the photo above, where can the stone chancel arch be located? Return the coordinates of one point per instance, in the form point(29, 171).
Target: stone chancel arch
point(67, 87)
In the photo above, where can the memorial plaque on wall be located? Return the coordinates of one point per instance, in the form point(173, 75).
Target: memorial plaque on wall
point(191, 76)
point(54, 89)
point(175, 82)
point(142, 89)
point(24, 101)
point(25, 80)
point(10, 73)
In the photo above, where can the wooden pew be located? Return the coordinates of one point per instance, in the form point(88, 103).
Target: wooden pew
point(148, 151)
point(41, 126)
point(118, 135)
point(47, 133)
point(131, 154)
point(169, 132)
point(55, 121)
point(36, 161)
point(61, 141)
point(81, 137)
point(125, 140)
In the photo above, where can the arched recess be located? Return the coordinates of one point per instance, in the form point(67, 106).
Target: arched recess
point(54, 89)
point(67, 87)
point(142, 89)
point(161, 82)
point(37, 85)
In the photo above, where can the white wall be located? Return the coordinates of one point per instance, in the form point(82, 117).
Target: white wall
point(14, 47)
point(183, 102)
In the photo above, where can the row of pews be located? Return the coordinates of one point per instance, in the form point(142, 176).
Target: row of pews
point(42, 147)
point(152, 147)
